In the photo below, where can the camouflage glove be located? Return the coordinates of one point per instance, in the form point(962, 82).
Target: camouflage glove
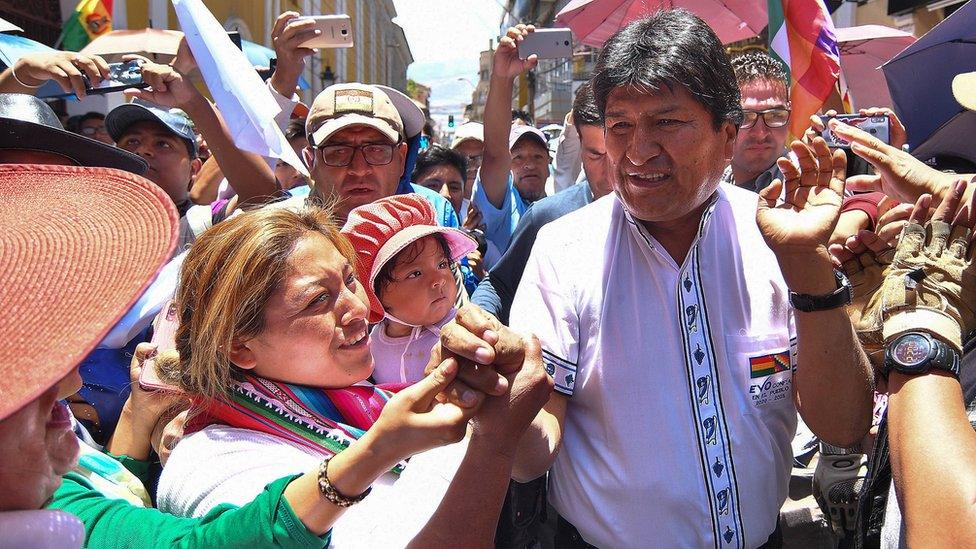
point(866, 272)
point(930, 285)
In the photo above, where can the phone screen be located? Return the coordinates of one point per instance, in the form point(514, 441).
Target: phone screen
point(120, 76)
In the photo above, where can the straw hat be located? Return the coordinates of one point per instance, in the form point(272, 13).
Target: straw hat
point(78, 246)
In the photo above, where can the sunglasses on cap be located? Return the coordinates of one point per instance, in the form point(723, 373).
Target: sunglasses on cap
point(776, 117)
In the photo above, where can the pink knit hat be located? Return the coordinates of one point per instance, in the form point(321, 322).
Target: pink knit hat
point(381, 229)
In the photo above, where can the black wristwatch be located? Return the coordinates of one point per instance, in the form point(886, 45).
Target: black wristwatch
point(918, 352)
point(811, 303)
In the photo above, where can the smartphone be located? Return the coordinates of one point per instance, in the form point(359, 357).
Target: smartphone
point(164, 336)
point(878, 126)
point(547, 44)
point(336, 31)
point(121, 76)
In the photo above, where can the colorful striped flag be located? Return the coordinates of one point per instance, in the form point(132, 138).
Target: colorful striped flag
point(762, 366)
point(91, 19)
point(801, 35)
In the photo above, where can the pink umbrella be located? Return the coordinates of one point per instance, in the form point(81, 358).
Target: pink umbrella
point(862, 52)
point(593, 21)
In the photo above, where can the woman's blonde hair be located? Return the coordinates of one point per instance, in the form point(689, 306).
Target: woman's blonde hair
point(226, 280)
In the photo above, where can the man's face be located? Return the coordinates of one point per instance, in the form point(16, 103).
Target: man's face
point(593, 148)
point(359, 182)
point(472, 150)
point(756, 148)
point(446, 180)
point(530, 168)
point(286, 174)
point(666, 156)
point(94, 128)
point(170, 165)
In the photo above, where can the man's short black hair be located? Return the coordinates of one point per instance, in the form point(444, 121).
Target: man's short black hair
point(90, 115)
point(295, 129)
point(439, 156)
point(670, 48)
point(585, 111)
point(756, 65)
point(524, 116)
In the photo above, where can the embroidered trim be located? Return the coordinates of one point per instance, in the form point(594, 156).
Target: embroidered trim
point(562, 371)
point(714, 442)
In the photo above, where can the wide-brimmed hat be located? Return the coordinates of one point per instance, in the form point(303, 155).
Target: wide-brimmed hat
point(176, 121)
point(29, 124)
point(964, 89)
point(382, 229)
point(78, 246)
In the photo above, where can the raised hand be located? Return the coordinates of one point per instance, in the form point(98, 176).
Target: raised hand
point(286, 37)
point(167, 87)
point(505, 62)
point(64, 67)
point(899, 174)
point(804, 222)
point(930, 283)
point(414, 420)
point(864, 258)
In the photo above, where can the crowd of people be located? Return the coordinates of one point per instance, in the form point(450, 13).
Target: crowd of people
point(627, 343)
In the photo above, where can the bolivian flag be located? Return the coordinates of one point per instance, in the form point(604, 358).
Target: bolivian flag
point(91, 19)
point(762, 366)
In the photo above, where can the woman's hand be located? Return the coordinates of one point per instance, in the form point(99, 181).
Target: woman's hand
point(415, 420)
point(64, 67)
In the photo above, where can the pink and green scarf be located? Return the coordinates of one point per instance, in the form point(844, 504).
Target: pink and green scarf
point(326, 421)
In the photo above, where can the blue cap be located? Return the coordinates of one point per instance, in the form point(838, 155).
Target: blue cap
point(122, 117)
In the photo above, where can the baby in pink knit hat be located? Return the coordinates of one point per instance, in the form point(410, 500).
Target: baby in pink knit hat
point(404, 260)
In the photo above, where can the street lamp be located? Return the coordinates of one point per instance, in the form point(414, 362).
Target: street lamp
point(327, 77)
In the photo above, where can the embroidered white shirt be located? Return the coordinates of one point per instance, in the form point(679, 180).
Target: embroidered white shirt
point(678, 428)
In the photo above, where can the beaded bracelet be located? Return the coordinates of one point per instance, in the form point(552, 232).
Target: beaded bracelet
point(19, 81)
point(333, 495)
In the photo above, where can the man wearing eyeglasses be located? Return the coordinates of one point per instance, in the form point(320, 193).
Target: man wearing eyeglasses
point(357, 149)
point(761, 138)
point(92, 125)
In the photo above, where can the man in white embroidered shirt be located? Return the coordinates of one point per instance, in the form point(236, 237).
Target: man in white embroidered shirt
point(665, 319)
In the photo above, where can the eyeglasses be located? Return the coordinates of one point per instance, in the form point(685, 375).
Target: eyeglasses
point(88, 130)
point(773, 118)
point(375, 154)
point(473, 159)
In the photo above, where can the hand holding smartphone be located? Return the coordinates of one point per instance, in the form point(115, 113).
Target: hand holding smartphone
point(877, 126)
point(121, 76)
point(164, 337)
point(336, 31)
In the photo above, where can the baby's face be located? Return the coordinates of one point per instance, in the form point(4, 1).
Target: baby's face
point(423, 288)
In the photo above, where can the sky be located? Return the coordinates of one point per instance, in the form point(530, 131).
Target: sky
point(446, 37)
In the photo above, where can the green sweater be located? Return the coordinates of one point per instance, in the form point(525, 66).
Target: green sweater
point(268, 521)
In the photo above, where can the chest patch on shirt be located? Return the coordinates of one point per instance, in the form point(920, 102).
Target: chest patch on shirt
point(772, 378)
point(766, 365)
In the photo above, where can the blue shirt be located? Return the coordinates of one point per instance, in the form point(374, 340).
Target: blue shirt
point(500, 223)
point(497, 291)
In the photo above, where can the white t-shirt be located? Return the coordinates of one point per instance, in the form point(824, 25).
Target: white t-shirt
point(679, 378)
point(221, 464)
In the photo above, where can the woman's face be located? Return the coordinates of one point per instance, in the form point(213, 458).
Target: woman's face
point(314, 323)
point(37, 447)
